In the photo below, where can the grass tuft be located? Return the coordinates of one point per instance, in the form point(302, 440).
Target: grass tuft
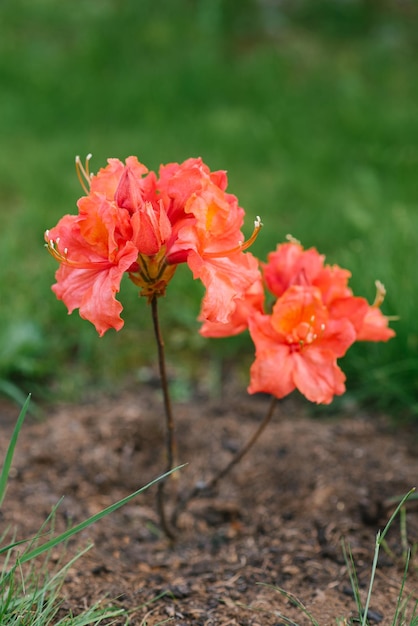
point(31, 591)
point(406, 608)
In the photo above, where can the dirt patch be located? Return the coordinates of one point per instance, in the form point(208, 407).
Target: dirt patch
point(276, 521)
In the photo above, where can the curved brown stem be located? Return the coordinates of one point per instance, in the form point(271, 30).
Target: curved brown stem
point(170, 440)
point(198, 488)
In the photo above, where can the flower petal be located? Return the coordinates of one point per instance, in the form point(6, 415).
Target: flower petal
point(226, 279)
point(317, 375)
point(291, 265)
point(375, 326)
point(245, 307)
point(93, 290)
point(272, 370)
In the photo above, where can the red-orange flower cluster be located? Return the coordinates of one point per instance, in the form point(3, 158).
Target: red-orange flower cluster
point(314, 320)
point(131, 221)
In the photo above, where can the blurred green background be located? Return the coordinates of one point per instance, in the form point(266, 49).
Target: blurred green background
point(310, 106)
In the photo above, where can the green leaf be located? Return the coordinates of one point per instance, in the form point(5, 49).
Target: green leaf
point(10, 450)
point(27, 556)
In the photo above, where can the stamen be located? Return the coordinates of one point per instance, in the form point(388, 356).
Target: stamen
point(83, 172)
point(51, 246)
point(61, 257)
point(311, 336)
point(292, 239)
point(380, 294)
point(242, 245)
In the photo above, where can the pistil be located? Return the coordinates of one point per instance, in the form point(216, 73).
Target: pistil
point(242, 245)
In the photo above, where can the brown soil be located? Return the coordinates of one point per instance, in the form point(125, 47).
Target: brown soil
point(276, 521)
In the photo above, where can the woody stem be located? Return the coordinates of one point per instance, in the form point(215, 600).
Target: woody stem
point(169, 421)
point(182, 504)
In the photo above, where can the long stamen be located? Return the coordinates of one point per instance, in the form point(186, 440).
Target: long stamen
point(53, 248)
point(243, 245)
point(380, 294)
point(83, 172)
point(292, 239)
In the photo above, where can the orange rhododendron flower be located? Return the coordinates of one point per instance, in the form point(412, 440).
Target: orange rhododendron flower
point(314, 320)
point(131, 221)
point(297, 347)
point(291, 265)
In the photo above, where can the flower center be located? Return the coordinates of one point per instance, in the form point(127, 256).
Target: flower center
point(299, 317)
point(152, 274)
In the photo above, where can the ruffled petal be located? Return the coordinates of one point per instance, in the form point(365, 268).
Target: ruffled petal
point(291, 265)
point(93, 290)
point(272, 370)
point(317, 375)
point(226, 280)
point(245, 308)
point(375, 326)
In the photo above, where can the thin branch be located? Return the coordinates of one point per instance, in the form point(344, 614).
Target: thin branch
point(170, 440)
point(198, 488)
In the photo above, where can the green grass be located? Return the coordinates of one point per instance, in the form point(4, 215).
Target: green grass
point(34, 597)
point(313, 112)
point(405, 612)
point(30, 586)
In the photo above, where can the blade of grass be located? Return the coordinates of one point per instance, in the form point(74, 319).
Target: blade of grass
point(27, 556)
point(394, 499)
point(372, 577)
point(10, 450)
point(352, 572)
point(396, 511)
point(10, 390)
point(13, 545)
point(293, 600)
point(398, 603)
point(414, 617)
point(298, 604)
point(39, 534)
point(379, 539)
point(404, 534)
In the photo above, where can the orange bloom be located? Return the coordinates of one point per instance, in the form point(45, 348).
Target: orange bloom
point(314, 320)
point(208, 236)
point(297, 347)
point(132, 222)
point(291, 265)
